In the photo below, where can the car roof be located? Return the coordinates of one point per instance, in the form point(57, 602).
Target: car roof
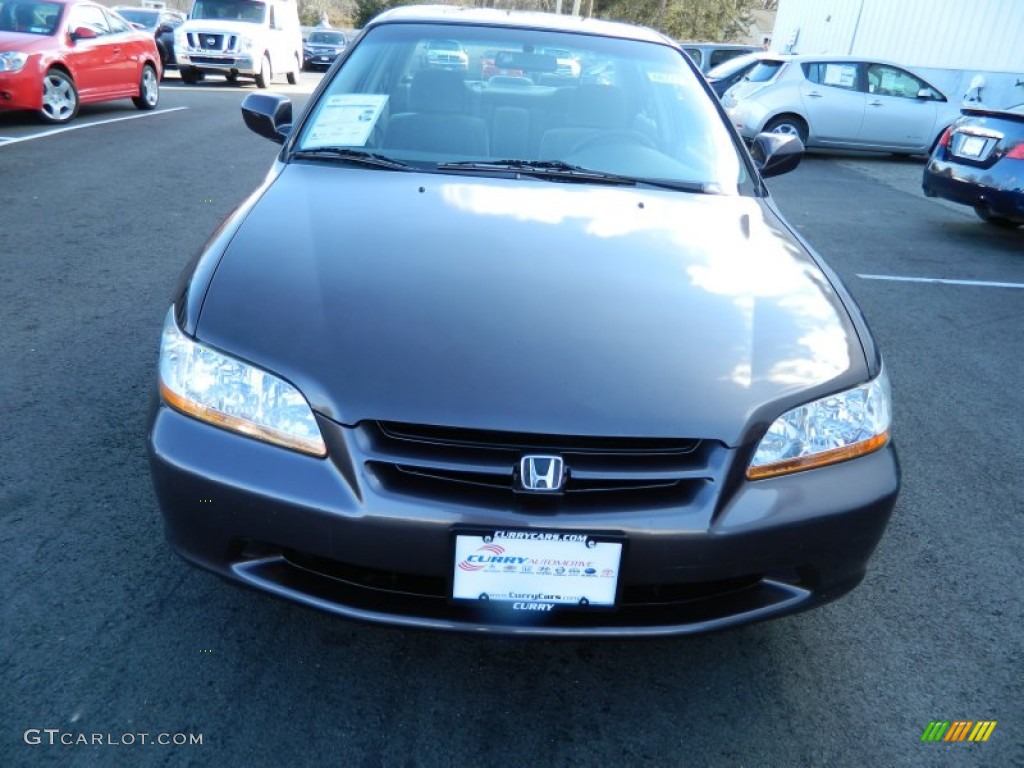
point(828, 57)
point(450, 14)
point(721, 46)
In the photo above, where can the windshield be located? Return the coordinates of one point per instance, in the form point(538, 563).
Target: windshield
point(444, 45)
point(141, 16)
point(327, 38)
point(732, 66)
point(229, 10)
point(633, 109)
point(31, 18)
point(764, 71)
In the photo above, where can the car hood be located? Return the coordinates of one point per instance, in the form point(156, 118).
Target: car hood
point(22, 41)
point(527, 305)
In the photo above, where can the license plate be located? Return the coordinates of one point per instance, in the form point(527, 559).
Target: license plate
point(537, 570)
point(325, 58)
point(972, 146)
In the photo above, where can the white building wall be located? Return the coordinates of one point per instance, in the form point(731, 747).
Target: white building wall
point(947, 41)
point(950, 34)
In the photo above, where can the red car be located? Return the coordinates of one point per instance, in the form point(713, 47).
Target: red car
point(58, 54)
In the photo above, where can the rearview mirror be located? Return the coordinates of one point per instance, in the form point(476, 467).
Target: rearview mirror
point(525, 62)
point(83, 33)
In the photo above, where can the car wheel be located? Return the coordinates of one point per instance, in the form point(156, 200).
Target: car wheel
point(231, 77)
point(189, 75)
point(788, 125)
point(293, 76)
point(60, 97)
point(265, 74)
point(149, 89)
point(1000, 221)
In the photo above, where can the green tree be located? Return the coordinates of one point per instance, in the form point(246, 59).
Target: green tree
point(714, 20)
point(367, 9)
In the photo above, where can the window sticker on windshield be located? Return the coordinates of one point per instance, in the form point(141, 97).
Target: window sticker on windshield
point(346, 120)
point(843, 75)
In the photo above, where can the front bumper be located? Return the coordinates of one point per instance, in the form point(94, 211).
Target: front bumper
point(224, 63)
point(748, 117)
point(22, 89)
point(317, 59)
point(335, 534)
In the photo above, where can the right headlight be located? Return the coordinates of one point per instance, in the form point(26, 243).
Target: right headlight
point(835, 428)
point(221, 390)
point(12, 61)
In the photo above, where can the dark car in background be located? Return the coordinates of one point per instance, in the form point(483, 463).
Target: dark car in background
point(322, 47)
point(728, 73)
point(979, 161)
point(568, 372)
point(162, 23)
point(707, 56)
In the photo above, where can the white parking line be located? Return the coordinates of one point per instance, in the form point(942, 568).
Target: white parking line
point(55, 131)
point(943, 281)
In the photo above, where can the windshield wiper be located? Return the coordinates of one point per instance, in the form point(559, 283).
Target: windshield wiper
point(557, 169)
point(353, 156)
point(697, 187)
point(541, 169)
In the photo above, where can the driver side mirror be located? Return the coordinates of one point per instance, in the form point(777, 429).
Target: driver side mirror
point(775, 153)
point(83, 33)
point(268, 115)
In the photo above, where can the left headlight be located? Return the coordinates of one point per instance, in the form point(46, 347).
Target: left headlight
point(12, 61)
point(236, 396)
point(835, 428)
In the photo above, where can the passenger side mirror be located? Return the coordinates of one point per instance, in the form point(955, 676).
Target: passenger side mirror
point(268, 115)
point(926, 93)
point(83, 33)
point(775, 153)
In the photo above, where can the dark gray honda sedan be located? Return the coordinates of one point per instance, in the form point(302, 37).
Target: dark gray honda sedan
point(521, 350)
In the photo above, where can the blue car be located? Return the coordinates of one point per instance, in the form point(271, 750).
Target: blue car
point(979, 161)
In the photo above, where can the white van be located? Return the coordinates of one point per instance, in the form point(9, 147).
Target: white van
point(247, 38)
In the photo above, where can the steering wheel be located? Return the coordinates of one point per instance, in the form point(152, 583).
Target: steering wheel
point(615, 137)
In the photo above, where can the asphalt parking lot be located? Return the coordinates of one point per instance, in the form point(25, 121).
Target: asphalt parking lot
point(104, 631)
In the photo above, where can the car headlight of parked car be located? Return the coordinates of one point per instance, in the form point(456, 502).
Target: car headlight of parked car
point(245, 44)
point(219, 389)
point(826, 431)
point(12, 61)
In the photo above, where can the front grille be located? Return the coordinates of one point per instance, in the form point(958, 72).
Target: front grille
point(478, 467)
point(212, 41)
point(222, 60)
